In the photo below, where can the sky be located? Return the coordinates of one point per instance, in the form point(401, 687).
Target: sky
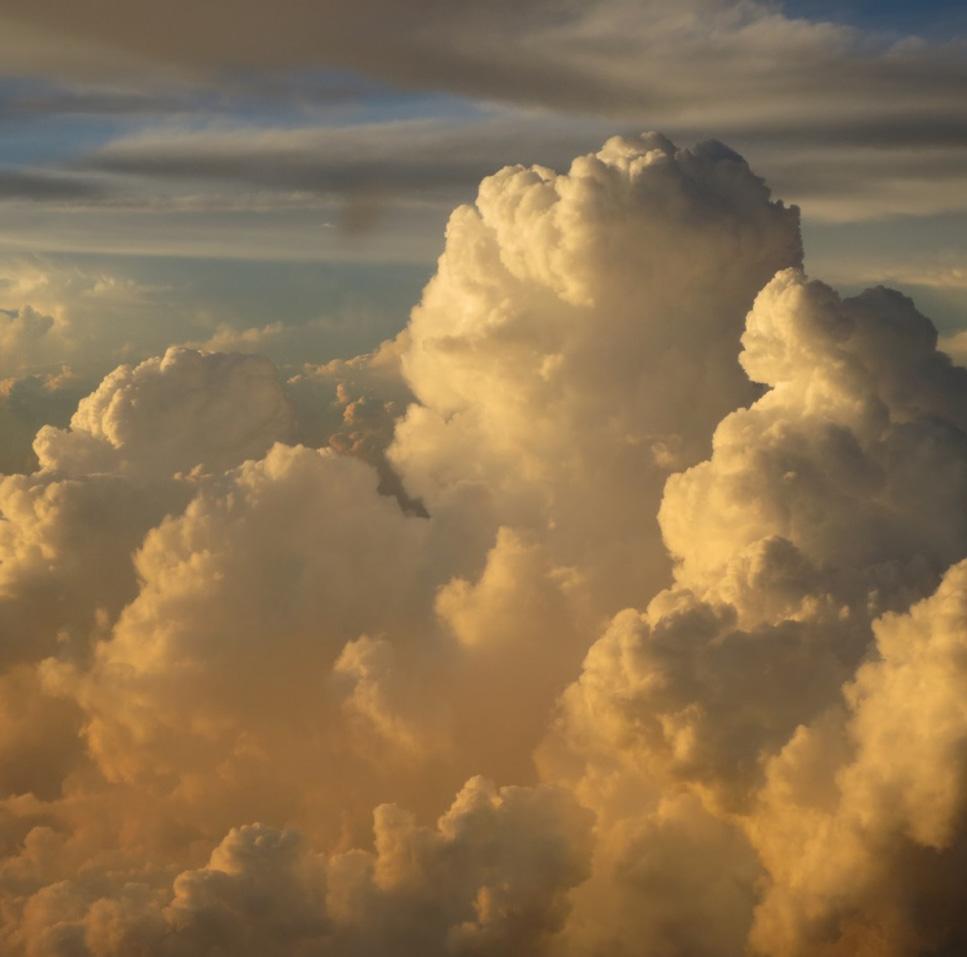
point(142, 143)
point(483, 479)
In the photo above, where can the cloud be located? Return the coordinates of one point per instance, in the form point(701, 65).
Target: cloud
point(751, 71)
point(633, 519)
point(566, 353)
point(368, 168)
point(852, 474)
point(352, 405)
point(26, 336)
point(343, 160)
point(85, 316)
point(491, 876)
point(41, 187)
point(598, 55)
point(829, 501)
point(27, 403)
point(862, 836)
point(66, 546)
point(184, 410)
point(204, 633)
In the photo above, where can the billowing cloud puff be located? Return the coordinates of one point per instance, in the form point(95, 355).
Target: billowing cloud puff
point(26, 339)
point(861, 824)
point(65, 547)
point(247, 601)
point(835, 497)
point(578, 342)
point(735, 727)
point(490, 878)
point(171, 414)
point(87, 318)
point(69, 530)
point(352, 405)
point(852, 468)
point(28, 402)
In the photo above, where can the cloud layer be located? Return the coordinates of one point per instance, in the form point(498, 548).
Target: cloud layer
point(616, 606)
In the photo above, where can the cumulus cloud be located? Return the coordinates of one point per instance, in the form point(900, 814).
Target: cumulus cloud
point(28, 402)
point(352, 405)
point(25, 336)
point(567, 353)
point(244, 607)
point(633, 519)
point(491, 877)
point(829, 501)
point(184, 410)
point(855, 457)
point(87, 318)
point(861, 822)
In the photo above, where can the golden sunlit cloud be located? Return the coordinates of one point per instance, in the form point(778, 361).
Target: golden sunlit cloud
point(618, 605)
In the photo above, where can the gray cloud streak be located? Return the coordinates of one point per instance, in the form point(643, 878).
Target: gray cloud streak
point(37, 186)
point(618, 57)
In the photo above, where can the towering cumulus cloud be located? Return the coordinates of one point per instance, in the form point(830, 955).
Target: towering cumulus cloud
point(618, 606)
point(578, 343)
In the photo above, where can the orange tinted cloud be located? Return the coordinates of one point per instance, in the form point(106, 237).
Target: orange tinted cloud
point(616, 606)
